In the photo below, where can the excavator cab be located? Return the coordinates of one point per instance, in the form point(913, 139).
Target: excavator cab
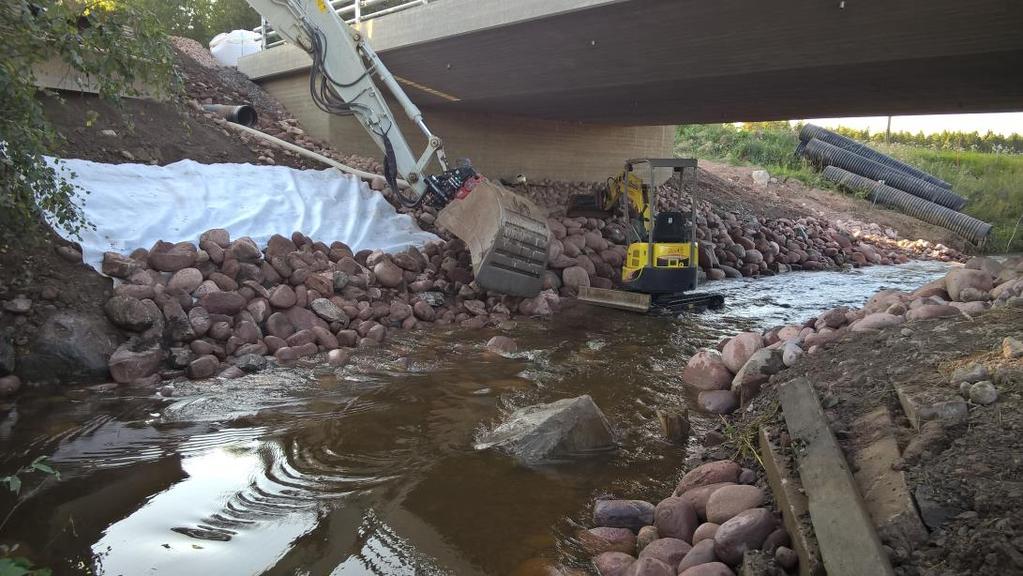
point(661, 267)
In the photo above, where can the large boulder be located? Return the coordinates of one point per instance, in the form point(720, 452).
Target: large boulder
point(707, 371)
point(739, 349)
point(961, 279)
point(134, 360)
point(675, 518)
point(745, 531)
point(631, 514)
point(756, 371)
point(71, 346)
point(566, 428)
point(709, 473)
point(877, 321)
point(613, 563)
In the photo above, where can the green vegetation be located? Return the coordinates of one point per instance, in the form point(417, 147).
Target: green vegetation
point(201, 20)
point(993, 182)
point(11, 565)
point(118, 45)
point(954, 141)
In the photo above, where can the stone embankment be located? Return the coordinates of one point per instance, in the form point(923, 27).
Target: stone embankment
point(732, 374)
point(716, 520)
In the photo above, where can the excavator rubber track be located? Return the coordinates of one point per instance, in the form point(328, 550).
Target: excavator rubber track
point(506, 234)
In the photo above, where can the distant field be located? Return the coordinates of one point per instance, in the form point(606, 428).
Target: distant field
point(993, 183)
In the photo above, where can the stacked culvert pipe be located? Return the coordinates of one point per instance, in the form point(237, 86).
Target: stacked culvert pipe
point(966, 226)
point(889, 181)
point(811, 131)
point(826, 154)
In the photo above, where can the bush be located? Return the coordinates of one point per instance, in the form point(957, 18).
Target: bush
point(117, 45)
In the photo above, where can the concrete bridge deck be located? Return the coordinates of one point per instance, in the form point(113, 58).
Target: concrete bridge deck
point(662, 62)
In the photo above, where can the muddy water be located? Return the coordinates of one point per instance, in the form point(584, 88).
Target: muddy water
point(370, 469)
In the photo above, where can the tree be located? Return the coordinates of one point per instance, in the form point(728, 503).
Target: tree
point(116, 44)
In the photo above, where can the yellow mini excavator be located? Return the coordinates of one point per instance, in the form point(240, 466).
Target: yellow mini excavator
point(661, 266)
point(506, 234)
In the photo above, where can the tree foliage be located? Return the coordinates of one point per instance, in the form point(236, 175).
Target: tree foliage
point(945, 140)
point(201, 20)
point(118, 45)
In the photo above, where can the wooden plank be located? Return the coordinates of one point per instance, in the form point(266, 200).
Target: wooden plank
point(845, 532)
point(789, 495)
point(882, 482)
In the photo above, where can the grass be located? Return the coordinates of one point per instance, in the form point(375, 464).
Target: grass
point(993, 183)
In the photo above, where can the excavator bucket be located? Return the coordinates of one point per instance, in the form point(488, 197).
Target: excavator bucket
point(506, 234)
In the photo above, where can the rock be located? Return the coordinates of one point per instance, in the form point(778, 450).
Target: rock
point(575, 277)
point(1012, 348)
point(709, 569)
point(71, 346)
point(171, 259)
point(729, 501)
point(134, 360)
point(650, 567)
point(739, 349)
point(667, 550)
point(9, 385)
point(970, 373)
point(502, 345)
point(928, 311)
point(876, 321)
point(647, 534)
point(231, 372)
point(283, 296)
point(699, 496)
point(675, 517)
point(707, 371)
point(718, 401)
point(709, 473)
point(203, 367)
point(388, 274)
point(329, 311)
point(948, 412)
point(129, 313)
point(399, 311)
point(631, 514)
point(565, 428)
point(606, 539)
point(613, 563)
point(186, 280)
point(747, 476)
point(119, 266)
point(791, 353)
point(227, 303)
point(251, 362)
point(786, 558)
point(833, 318)
point(983, 393)
point(756, 371)
point(18, 305)
point(961, 278)
point(705, 531)
point(775, 539)
point(745, 531)
point(339, 357)
point(423, 311)
point(701, 553)
point(932, 512)
point(761, 177)
point(989, 265)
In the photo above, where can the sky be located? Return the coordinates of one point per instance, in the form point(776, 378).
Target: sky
point(1001, 123)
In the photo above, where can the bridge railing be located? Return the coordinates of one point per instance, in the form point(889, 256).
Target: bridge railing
point(351, 11)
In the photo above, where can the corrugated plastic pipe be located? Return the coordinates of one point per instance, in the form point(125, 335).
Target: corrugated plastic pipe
point(968, 227)
point(811, 131)
point(825, 154)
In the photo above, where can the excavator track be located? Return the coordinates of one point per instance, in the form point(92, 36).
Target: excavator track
point(506, 234)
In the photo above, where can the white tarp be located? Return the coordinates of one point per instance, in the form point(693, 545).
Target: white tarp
point(134, 205)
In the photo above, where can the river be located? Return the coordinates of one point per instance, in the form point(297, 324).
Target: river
point(370, 469)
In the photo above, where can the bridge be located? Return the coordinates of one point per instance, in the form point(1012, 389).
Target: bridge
point(568, 88)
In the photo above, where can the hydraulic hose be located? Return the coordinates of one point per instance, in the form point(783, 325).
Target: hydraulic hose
point(811, 131)
point(968, 227)
point(825, 154)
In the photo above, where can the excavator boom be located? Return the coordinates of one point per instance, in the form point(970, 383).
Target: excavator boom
point(507, 235)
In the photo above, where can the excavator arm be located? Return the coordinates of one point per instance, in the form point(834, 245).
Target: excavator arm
point(506, 234)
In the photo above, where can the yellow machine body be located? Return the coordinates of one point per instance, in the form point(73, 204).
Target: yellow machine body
point(632, 185)
point(680, 255)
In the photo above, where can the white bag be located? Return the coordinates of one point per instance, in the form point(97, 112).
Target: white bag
point(228, 47)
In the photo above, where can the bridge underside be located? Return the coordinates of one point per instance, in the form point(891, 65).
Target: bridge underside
point(692, 61)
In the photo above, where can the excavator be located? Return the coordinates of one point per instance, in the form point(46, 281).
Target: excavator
point(506, 234)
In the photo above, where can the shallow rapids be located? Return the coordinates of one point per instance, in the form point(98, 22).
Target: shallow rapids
point(371, 469)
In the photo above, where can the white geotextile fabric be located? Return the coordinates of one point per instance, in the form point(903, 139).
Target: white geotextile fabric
point(134, 205)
